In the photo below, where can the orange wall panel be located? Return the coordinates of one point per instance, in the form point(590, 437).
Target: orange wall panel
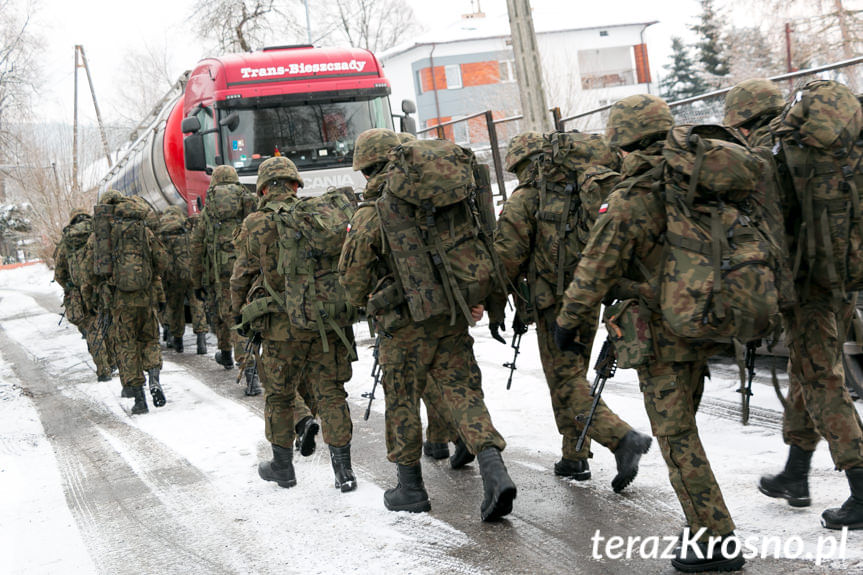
point(480, 73)
point(439, 79)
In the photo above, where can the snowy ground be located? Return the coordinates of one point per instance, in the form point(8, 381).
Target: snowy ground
point(197, 458)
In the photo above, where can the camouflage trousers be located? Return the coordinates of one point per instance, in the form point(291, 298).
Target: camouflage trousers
point(224, 318)
point(818, 403)
point(176, 297)
point(422, 360)
point(672, 392)
point(137, 333)
point(570, 396)
point(99, 346)
point(301, 366)
point(440, 429)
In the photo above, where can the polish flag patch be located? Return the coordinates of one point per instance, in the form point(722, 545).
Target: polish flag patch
point(603, 208)
point(349, 228)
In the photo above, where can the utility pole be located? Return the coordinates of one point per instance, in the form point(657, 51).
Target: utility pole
point(528, 70)
point(75, 187)
point(81, 62)
point(96, 106)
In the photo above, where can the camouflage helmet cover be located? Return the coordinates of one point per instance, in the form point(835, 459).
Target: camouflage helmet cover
point(636, 117)
point(521, 147)
point(372, 147)
point(405, 137)
point(110, 197)
point(278, 168)
point(79, 214)
point(224, 175)
point(750, 99)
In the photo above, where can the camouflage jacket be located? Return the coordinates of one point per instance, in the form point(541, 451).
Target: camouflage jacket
point(362, 262)
point(257, 252)
point(630, 229)
point(61, 267)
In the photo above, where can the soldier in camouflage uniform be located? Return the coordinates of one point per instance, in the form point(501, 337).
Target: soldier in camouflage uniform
point(516, 242)
point(213, 258)
point(625, 242)
point(291, 359)
point(68, 258)
point(435, 352)
point(818, 403)
point(174, 232)
point(133, 312)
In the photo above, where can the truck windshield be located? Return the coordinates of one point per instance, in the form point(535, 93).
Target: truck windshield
point(314, 136)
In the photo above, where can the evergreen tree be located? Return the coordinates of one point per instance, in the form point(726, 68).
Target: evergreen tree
point(682, 80)
point(711, 49)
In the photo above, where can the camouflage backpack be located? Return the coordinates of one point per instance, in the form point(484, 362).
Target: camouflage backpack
point(176, 238)
point(819, 136)
point(434, 217)
point(227, 205)
point(132, 258)
point(74, 240)
point(311, 233)
point(576, 173)
point(721, 261)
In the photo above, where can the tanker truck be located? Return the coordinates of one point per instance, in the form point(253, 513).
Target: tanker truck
point(307, 104)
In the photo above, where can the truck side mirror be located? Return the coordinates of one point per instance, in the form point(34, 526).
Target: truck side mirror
point(190, 125)
point(193, 152)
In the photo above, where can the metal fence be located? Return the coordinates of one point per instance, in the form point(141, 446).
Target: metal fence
point(702, 109)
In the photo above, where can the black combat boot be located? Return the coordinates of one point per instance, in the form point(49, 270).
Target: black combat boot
point(281, 468)
point(498, 489)
point(410, 494)
point(178, 344)
point(156, 387)
point(103, 377)
point(253, 385)
point(306, 430)
point(690, 560)
point(127, 392)
point(462, 456)
point(577, 469)
point(436, 450)
point(792, 483)
point(341, 459)
point(627, 455)
point(225, 358)
point(166, 334)
point(202, 343)
point(140, 401)
point(850, 515)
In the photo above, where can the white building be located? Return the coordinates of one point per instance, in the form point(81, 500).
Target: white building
point(468, 67)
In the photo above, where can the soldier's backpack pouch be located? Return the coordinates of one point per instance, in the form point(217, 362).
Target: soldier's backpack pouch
point(132, 269)
point(629, 332)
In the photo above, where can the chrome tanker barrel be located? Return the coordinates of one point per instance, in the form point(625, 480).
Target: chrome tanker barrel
point(149, 167)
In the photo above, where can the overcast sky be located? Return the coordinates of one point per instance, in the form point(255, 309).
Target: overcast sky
point(109, 30)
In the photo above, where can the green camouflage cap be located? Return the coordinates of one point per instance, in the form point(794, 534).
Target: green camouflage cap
point(751, 99)
point(278, 168)
point(521, 147)
point(636, 117)
point(405, 137)
point(224, 175)
point(110, 197)
point(372, 147)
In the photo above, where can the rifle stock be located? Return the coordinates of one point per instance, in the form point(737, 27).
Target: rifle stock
point(376, 378)
point(606, 366)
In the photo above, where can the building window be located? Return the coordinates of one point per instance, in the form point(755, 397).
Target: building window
point(461, 133)
point(507, 70)
point(453, 76)
point(603, 32)
point(606, 67)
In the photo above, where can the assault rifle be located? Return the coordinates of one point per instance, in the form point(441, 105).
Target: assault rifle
point(606, 365)
point(376, 377)
point(746, 390)
point(62, 315)
point(103, 324)
point(251, 344)
point(515, 345)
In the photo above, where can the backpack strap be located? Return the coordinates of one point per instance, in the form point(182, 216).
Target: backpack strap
point(438, 255)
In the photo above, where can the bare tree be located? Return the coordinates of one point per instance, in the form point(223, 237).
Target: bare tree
point(371, 24)
point(243, 25)
point(19, 72)
point(145, 76)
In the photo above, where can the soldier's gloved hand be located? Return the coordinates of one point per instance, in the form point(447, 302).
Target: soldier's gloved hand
point(495, 329)
point(567, 339)
point(518, 326)
point(242, 329)
point(162, 307)
point(256, 338)
point(200, 293)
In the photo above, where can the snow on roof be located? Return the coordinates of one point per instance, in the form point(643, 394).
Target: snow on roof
point(497, 26)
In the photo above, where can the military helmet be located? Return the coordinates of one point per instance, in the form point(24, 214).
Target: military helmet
point(372, 147)
point(405, 137)
point(278, 168)
point(521, 147)
point(750, 99)
point(636, 117)
point(224, 175)
point(110, 197)
point(79, 214)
